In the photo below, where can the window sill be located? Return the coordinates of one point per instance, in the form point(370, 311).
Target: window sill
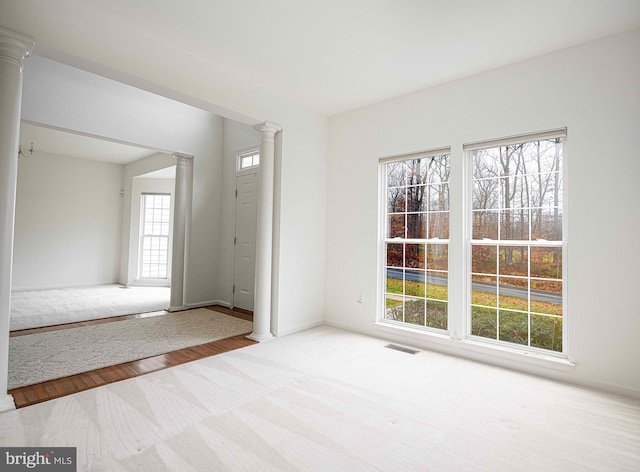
point(504, 353)
point(418, 334)
point(531, 358)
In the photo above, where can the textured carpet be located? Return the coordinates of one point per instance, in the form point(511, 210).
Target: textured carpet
point(35, 358)
point(329, 400)
point(35, 308)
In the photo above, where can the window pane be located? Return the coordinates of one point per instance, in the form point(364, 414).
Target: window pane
point(485, 225)
point(417, 198)
point(546, 332)
point(484, 259)
point(485, 163)
point(395, 255)
point(397, 226)
point(437, 314)
point(415, 283)
point(417, 225)
point(514, 260)
point(514, 327)
point(414, 311)
point(396, 200)
point(484, 290)
point(546, 297)
point(513, 293)
point(439, 197)
point(416, 171)
point(415, 256)
point(439, 225)
point(439, 169)
point(546, 262)
point(486, 195)
point(546, 223)
point(437, 256)
point(396, 176)
point(437, 285)
point(484, 322)
point(394, 308)
point(514, 224)
point(395, 281)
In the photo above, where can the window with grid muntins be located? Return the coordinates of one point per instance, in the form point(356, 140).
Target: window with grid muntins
point(156, 213)
point(416, 241)
point(516, 244)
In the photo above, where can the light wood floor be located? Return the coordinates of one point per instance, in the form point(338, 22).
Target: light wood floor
point(32, 394)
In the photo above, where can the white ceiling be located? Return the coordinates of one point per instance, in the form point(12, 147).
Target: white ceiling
point(328, 56)
point(75, 145)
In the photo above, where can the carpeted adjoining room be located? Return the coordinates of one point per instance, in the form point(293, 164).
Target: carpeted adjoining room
point(38, 308)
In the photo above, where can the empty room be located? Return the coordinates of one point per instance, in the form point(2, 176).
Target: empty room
point(445, 229)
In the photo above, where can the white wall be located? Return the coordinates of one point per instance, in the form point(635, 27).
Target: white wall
point(592, 90)
point(68, 222)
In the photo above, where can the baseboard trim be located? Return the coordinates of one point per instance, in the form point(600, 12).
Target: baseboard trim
point(189, 306)
point(6, 403)
point(297, 329)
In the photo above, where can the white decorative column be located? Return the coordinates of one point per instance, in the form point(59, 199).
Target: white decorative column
point(264, 235)
point(181, 216)
point(14, 47)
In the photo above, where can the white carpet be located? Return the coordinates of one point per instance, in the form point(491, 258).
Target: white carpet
point(35, 308)
point(35, 358)
point(328, 400)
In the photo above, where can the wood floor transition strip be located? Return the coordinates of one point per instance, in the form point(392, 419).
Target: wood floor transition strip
point(32, 394)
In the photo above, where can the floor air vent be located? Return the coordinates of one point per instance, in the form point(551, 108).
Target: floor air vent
point(402, 349)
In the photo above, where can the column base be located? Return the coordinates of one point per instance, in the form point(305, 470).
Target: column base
point(6, 403)
point(173, 309)
point(261, 337)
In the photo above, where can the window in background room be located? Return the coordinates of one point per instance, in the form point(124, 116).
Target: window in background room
point(416, 240)
point(154, 236)
point(516, 244)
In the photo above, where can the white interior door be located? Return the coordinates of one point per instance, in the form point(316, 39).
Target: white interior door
point(245, 247)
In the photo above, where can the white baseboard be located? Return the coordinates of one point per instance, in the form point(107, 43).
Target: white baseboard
point(297, 329)
point(6, 403)
point(207, 303)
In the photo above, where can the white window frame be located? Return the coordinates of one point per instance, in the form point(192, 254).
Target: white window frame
point(468, 212)
point(141, 277)
point(384, 240)
point(458, 338)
